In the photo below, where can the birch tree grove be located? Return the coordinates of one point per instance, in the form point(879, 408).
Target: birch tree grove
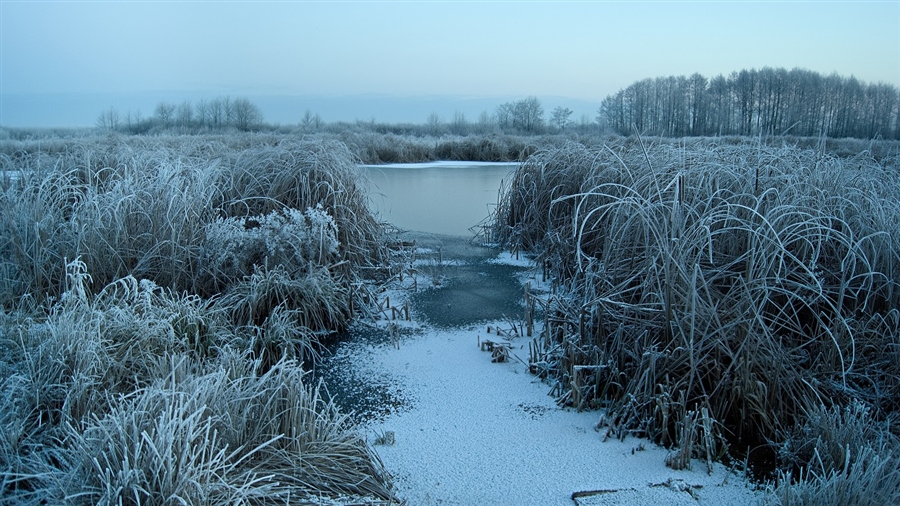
point(769, 101)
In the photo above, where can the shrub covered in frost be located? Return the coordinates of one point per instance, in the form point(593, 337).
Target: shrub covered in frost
point(153, 390)
point(138, 395)
point(290, 238)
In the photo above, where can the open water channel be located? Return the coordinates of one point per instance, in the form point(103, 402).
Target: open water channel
point(439, 206)
point(445, 198)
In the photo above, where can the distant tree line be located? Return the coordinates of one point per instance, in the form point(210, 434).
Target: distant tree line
point(221, 113)
point(525, 116)
point(755, 102)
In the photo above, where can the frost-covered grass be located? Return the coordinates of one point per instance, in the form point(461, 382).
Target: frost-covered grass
point(178, 210)
point(842, 456)
point(718, 292)
point(159, 299)
point(140, 395)
point(376, 148)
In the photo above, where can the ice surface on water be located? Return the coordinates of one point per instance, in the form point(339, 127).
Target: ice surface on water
point(445, 198)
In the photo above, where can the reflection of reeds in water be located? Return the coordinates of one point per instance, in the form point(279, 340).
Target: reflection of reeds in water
point(747, 282)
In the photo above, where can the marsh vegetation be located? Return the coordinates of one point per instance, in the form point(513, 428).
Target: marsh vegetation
point(164, 297)
point(725, 298)
point(160, 299)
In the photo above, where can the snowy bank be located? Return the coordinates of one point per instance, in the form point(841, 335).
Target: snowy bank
point(477, 432)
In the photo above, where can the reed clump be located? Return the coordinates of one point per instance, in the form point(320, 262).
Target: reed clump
point(160, 301)
point(172, 210)
point(111, 400)
point(755, 282)
point(382, 148)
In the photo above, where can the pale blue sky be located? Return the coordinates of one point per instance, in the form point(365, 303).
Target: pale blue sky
point(578, 50)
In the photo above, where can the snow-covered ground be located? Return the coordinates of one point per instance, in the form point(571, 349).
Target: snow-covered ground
point(474, 432)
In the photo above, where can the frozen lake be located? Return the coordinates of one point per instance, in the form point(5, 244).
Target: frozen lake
point(437, 197)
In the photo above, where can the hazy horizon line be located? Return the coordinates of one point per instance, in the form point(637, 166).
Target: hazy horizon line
point(81, 109)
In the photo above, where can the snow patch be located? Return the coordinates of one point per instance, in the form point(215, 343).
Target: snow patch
point(515, 260)
point(479, 432)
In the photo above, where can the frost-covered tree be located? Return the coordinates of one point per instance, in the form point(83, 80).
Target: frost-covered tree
point(528, 114)
point(559, 117)
point(433, 123)
point(217, 114)
point(184, 116)
point(459, 126)
point(133, 120)
point(109, 119)
point(307, 120)
point(505, 115)
point(310, 121)
point(486, 122)
point(201, 113)
point(245, 114)
point(164, 113)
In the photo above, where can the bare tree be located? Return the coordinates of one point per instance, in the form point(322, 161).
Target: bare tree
point(505, 115)
point(434, 123)
point(698, 104)
point(486, 122)
point(228, 110)
point(109, 119)
point(585, 125)
point(528, 114)
point(559, 117)
point(201, 113)
point(310, 121)
point(184, 115)
point(132, 120)
point(459, 126)
point(897, 118)
point(216, 113)
point(164, 113)
point(245, 114)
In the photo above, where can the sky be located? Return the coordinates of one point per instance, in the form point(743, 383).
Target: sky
point(63, 62)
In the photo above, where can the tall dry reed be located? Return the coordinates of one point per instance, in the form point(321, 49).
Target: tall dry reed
point(755, 282)
point(141, 206)
point(136, 394)
point(158, 298)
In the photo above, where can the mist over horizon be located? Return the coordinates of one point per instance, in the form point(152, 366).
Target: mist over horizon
point(80, 110)
point(63, 63)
